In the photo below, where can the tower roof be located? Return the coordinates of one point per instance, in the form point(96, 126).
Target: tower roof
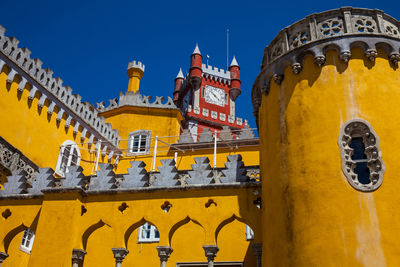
point(180, 74)
point(234, 62)
point(196, 50)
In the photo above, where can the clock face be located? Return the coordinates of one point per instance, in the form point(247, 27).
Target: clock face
point(214, 95)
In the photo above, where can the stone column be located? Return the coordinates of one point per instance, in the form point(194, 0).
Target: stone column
point(164, 252)
point(78, 255)
point(119, 255)
point(3, 256)
point(210, 252)
point(257, 247)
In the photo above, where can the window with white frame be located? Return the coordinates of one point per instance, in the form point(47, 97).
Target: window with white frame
point(148, 233)
point(139, 142)
point(249, 233)
point(69, 156)
point(27, 241)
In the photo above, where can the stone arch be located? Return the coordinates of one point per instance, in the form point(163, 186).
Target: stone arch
point(89, 231)
point(11, 234)
point(133, 227)
point(179, 224)
point(228, 221)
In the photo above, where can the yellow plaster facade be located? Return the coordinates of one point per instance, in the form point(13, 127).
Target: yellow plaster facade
point(66, 217)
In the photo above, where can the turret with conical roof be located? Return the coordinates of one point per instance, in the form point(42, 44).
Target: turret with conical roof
point(195, 71)
point(234, 88)
point(178, 85)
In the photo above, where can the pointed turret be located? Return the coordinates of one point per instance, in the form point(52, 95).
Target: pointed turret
point(178, 84)
point(234, 88)
point(195, 71)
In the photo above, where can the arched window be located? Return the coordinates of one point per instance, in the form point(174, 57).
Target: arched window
point(27, 241)
point(148, 234)
point(139, 142)
point(69, 156)
point(361, 157)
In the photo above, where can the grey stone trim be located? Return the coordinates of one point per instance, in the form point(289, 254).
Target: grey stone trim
point(206, 135)
point(210, 252)
point(52, 89)
point(74, 178)
point(119, 255)
point(168, 175)
point(213, 73)
point(226, 133)
point(3, 256)
point(235, 171)
point(14, 160)
point(104, 179)
point(44, 179)
point(361, 128)
point(185, 137)
point(246, 133)
point(137, 176)
point(164, 252)
point(136, 65)
point(136, 100)
point(340, 30)
point(78, 256)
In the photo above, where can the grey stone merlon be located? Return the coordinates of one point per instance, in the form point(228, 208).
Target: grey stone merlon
point(43, 180)
point(340, 30)
point(104, 179)
point(235, 171)
point(206, 135)
point(137, 176)
point(185, 137)
point(50, 88)
point(226, 133)
point(16, 184)
point(168, 175)
point(201, 172)
point(74, 178)
point(216, 74)
point(246, 133)
point(137, 100)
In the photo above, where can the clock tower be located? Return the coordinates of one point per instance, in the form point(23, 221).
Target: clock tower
point(207, 95)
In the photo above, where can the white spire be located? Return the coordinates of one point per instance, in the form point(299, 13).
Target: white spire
point(196, 50)
point(180, 74)
point(234, 62)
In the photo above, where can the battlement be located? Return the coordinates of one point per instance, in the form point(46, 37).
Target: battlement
point(105, 180)
point(41, 83)
point(339, 30)
point(136, 65)
point(138, 100)
point(214, 72)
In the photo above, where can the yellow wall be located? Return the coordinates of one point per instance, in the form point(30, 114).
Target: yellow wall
point(61, 227)
point(312, 216)
point(33, 131)
point(165, 123)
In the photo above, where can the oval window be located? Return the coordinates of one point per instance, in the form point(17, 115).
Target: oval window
point(361, 157)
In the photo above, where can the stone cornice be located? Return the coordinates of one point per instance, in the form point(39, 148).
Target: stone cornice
point(339, 30)
point(80, 115)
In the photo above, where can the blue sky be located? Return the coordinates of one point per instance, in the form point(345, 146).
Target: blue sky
point(89, 43)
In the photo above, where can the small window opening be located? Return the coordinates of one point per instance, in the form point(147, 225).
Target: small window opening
point(359, 156)
point(69, 156)
point(27, 241)
point(139, 142)
point(148, 234)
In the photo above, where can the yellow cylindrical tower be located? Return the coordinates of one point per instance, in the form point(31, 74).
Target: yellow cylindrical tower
point(327, 103)
point(135, 72)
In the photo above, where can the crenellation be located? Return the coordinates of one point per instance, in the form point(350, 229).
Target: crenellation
point(136, 64)
point(53, 85)
point(106, 179)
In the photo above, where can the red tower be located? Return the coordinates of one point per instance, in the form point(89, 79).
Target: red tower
point(207, 96)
